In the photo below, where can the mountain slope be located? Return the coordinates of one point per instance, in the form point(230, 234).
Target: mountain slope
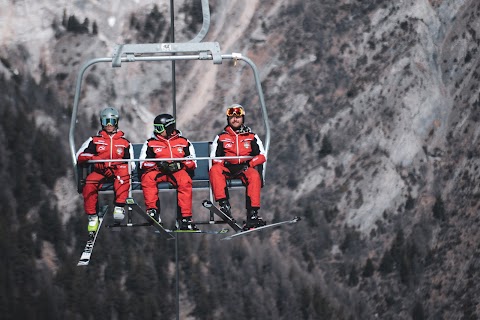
point(373, 115)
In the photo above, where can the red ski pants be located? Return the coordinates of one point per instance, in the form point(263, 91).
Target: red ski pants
point(250, 178)
point(95, 180)
point(180, 180)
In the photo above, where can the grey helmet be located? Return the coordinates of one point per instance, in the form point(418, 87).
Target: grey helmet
point(109, 115)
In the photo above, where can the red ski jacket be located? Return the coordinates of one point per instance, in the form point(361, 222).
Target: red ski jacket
point(242, 142)
point(105, 146)
point(158, 147)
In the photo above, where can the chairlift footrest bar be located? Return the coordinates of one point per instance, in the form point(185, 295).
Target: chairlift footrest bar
point(210, 222)
point(126, 225)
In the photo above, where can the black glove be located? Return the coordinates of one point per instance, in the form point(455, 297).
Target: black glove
point(175, 166)
point(163, 166)
point(108, 172)
point(169, 167)
point(238, 168)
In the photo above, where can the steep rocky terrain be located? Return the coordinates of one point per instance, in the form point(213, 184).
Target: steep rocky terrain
point(373, 108)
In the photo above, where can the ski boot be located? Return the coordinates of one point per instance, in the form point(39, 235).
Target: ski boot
point(186, 223)
point(93, 223)
point(225, 207)
point(118, 214)
point(253, 220)
point(154, 214)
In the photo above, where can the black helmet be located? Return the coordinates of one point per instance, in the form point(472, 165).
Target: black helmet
point(164, 122)
point(109, 115)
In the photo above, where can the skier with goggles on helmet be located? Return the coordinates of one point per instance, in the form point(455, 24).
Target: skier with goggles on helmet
point(168, 142)
point(236, 139)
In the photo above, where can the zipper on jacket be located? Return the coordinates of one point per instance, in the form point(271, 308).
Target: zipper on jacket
point(111, 149)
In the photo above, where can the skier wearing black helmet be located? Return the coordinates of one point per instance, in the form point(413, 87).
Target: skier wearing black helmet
point(168, 143)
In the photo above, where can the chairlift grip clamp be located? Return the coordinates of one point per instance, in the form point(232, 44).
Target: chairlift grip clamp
point(236, 56)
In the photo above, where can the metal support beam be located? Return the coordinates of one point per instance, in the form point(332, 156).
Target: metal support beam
point(131, 52)
point(206, 22)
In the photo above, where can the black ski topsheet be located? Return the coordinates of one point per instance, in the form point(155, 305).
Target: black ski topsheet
point(242, 233)
point(132, 204)
point(210, 206)
point(87, 252)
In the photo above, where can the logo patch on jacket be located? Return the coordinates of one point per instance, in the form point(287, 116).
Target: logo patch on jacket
point(119, 151)
point(246, 144)
point(180, 150)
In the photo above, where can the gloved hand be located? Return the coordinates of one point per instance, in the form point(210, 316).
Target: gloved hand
point(175, 166)
point(237, 168)
point(99, 166)
point(163, 166)
point(108, 172)
point(169, 167)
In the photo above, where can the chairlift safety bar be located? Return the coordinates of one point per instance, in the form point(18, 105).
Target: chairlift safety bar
point(169, 159)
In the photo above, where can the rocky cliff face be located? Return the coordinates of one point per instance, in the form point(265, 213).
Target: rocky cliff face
point(373, 108)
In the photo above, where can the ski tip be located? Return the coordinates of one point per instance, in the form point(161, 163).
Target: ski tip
point(207, 203)
point(297, 218)
point(83, 263)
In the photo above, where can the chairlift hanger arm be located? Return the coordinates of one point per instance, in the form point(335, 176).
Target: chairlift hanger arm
point(199, 56)
point(205, 24)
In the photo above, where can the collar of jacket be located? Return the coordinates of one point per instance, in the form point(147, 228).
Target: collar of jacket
point(117, 134)
point(174, 135)
point(242, 130)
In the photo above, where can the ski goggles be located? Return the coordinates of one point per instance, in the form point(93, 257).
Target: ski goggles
point(235, 111)
point(109, 121)
point(158, 128)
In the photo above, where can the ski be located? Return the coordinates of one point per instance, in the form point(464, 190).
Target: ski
point(87, 252)
point(221, 231)
point(294, 220)
point(131, 202)
point(214, 209)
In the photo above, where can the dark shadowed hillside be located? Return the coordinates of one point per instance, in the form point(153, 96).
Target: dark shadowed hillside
point(373, 109)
